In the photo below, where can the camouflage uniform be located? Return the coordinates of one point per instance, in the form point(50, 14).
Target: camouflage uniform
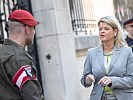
point(17, 74)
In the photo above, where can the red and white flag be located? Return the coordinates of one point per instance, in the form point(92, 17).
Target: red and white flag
point(23, 74)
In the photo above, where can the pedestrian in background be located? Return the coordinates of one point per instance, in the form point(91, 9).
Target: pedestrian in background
point(109, 66)
point(18, 76)
point(128, 25)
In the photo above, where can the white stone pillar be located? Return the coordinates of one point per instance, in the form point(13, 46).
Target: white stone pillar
point(56, 49)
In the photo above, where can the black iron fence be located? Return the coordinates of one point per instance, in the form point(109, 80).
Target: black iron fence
point(123, 10)
point(82, 16)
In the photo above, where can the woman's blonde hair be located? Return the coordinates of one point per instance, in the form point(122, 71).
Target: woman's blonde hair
point(113, 22)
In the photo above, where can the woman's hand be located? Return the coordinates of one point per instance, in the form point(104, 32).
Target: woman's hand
point(89, 79)
point(105, 81)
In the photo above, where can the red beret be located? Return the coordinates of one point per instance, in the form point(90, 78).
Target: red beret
point(24, 17)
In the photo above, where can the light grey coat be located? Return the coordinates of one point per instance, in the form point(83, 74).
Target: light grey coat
point(120, 71)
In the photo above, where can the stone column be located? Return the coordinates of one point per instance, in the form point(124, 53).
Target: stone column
point(56, 49)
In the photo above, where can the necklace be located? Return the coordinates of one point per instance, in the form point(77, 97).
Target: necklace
point(107, 53)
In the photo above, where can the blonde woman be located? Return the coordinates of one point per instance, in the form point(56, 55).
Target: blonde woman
point(110, 65)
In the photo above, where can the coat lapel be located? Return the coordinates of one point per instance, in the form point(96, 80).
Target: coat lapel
point(115, 55)
point(100, 57)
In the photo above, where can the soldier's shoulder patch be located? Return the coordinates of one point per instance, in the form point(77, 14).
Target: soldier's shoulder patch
point(22, 75)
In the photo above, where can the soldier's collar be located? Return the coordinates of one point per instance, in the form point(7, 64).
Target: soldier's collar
point(10, 42)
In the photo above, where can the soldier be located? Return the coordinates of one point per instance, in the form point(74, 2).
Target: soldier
point(18, 80)
point(128, 25)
